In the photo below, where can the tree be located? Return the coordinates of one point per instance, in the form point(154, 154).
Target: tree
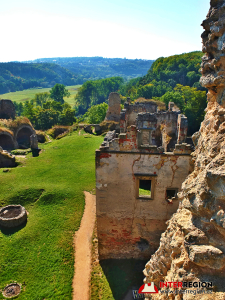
point(191, 102)
point(29, 111)
point(67, 117)
point(46, 118)
point(58, 92)
point(41, 98)
point(175, 97)
point(96, 113)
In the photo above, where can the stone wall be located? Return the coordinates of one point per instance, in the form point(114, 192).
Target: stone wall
point(113, 112)
point(135, 161)
point(129, 225)
point(132, 110)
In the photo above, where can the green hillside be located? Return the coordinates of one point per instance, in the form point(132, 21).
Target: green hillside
point(40, 255)
point(91, 68)
point(173, 79)
point(15, 76)
point(29, 94)
point(45, 73)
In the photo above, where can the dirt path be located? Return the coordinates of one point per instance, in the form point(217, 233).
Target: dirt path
point(82, 244)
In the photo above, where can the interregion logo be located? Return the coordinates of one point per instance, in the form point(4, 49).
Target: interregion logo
point(148, 288)
point(174, 287)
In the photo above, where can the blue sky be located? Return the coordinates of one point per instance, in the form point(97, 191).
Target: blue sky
point(144, 29)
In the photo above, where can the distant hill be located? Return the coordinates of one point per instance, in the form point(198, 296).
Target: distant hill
point(15, 76)
point(165, 73)
point(46, 72)
point(91, 68)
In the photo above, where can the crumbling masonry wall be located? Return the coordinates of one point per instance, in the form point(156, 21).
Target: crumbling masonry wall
point(113, 112)
point(136, 161)
point(129, 226)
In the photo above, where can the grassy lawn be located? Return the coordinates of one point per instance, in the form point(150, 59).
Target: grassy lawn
point(144, 192)
point(40, 254)
point(30, 93)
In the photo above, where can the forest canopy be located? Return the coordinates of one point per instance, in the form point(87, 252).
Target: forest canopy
point(174, 78)
point(46, 72)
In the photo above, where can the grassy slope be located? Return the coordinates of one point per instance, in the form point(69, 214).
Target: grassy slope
point(30, 93)
point(40, 255)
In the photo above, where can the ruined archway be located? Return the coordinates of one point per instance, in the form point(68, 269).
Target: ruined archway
point(23, 136)
point(6, 141)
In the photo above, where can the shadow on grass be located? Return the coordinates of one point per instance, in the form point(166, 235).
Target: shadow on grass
point(123, 275)
point(10, 231)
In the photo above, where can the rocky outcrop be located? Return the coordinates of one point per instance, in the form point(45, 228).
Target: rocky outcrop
point(193, 246)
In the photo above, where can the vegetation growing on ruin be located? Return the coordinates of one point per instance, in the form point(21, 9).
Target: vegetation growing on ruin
point(12, 125)
point(176, 79)
point(161, 105)
point(50, 187)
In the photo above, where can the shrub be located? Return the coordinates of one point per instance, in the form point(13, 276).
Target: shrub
point(109, 126)
point(57, 130)
point(161, 104)
point(41, 136)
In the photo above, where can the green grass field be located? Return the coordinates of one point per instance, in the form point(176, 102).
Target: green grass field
point(30, 93)
point(50, 187)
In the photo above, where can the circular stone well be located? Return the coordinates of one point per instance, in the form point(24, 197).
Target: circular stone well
point(11, 290)
point(12, 216)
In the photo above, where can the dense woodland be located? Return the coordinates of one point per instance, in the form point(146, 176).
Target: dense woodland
point(92, 68)
point(174, 78)
point(20, 76)
point(17, 76)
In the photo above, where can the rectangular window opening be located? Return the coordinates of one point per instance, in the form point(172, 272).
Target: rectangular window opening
point(171, 193)
point(145, 188)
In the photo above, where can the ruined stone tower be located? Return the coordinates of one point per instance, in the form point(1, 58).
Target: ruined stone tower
point(192, 249)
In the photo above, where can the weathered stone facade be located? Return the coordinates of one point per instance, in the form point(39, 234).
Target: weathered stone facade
point(113, 112)
point(137, 180)
point(192, 248)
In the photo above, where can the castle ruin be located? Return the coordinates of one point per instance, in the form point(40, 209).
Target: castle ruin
point(138, 175)
point(13, 136)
